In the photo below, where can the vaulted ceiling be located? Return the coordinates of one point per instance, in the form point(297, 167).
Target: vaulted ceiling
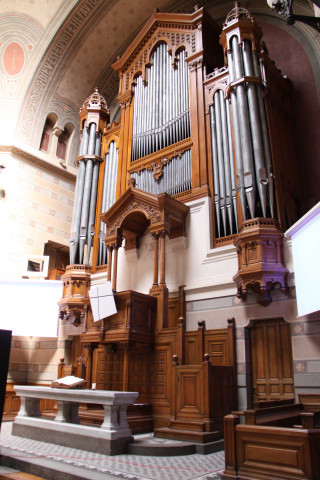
point(70, 45)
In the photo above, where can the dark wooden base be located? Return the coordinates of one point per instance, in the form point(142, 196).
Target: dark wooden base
point(138, 416)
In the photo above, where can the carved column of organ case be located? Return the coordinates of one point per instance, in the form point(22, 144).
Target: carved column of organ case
point(255, 185)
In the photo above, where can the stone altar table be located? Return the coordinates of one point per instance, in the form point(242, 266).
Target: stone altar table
point(111, 438)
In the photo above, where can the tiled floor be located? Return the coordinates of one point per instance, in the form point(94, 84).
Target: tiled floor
point(92, 465)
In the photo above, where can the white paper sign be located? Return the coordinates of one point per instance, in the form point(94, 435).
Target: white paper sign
point(102, 301)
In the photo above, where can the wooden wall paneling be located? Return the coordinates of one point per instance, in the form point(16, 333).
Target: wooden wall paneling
point(282, 144)
point(277, 453)
point(176, 308)
point(160, 377)
point(272, 362)
point(192, 348)
point(139, 373)
point(222, 397)
point(114, 369)
point(310, 401)
point(180, 341)
point(173, 312)
point(216, 345)
point(126, 362)
point(189, 398)
point(11, 404)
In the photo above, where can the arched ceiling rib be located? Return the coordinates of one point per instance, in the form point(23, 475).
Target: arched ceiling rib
point(94, 33)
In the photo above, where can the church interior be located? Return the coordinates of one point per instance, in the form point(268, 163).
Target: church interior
point(159, 167)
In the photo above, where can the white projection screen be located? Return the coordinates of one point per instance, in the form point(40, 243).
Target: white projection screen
point(305, 236)
point(30, 307)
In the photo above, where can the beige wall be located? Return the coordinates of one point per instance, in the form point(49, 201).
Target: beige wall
point(34, 359)
point(37, 208)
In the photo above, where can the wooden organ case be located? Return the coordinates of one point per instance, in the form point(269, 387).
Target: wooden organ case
point(196, 120)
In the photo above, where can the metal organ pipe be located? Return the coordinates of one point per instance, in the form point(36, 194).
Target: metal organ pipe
point(161, 107)
point(108, 195)
point(265, 137)
point(176, 177)
point(93, 198)
point(253, 157)
point(77, 207)
point(227, 170)
point(244, 125)
point(237, 140)
point(223, 169)
point(87, 191)
point(255, 124)
point(232, 172)
point(220, 172)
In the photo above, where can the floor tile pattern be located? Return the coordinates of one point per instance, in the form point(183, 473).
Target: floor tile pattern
point(131, 467)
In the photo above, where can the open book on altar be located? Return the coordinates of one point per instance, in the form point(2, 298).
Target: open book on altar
point(68, 382)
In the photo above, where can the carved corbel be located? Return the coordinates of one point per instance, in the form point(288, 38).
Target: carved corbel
point(72, 315)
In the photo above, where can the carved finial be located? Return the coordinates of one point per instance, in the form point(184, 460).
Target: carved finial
point(196, 7)
point(237, 12)
point(95, 100)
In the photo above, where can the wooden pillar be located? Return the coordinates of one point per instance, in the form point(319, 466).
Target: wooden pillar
point(232, 360)
point(206, 368)
point(180, 339)
point(182, 302)
point(231, 470)
point(115, 268)
point(155, 259)
point(201, 330)
point(162, 258)
point(124, 142)
point(109, 263)
point(126, 361)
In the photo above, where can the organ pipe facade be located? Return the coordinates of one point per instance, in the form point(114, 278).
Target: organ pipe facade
point(197, 116)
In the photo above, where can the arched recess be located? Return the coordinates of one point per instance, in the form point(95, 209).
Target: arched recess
point(48, 132)
point(132, 214)
point(64, 142)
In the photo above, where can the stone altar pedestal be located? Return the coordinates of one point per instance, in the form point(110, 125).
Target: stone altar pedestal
point(111, 438)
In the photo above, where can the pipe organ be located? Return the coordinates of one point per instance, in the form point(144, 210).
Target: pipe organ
point(161, 113)
point(189, 127)
point(201, 115)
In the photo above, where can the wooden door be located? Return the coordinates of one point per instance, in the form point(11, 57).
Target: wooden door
point(272, 364)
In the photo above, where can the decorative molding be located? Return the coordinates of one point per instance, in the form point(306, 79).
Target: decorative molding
point(39, 162)
point(51, 62)
point(152, 161)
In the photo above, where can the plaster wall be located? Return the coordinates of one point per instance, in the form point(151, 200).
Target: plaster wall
point(34, 359)
point(36, 208)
